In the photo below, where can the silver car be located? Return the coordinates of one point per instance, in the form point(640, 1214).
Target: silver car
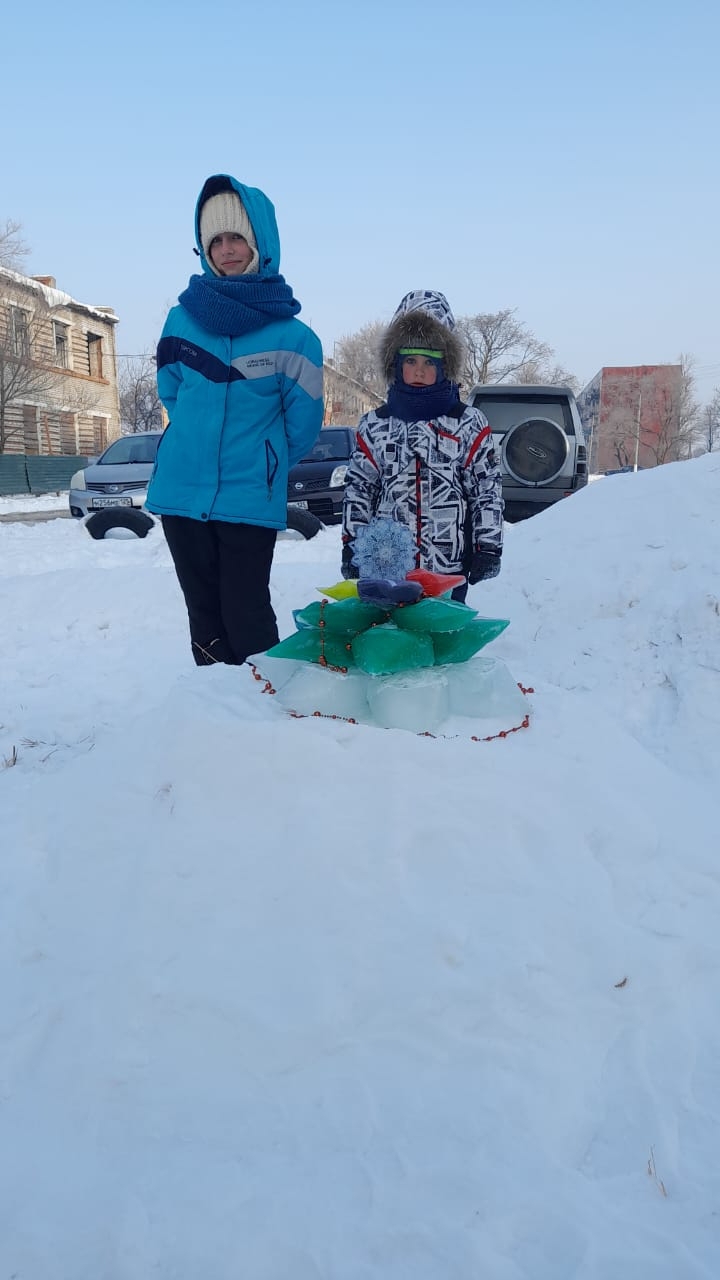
point(118, 478)
point(540, 443)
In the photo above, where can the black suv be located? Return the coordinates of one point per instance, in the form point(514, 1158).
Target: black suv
point(540, 443)
point(317, 482)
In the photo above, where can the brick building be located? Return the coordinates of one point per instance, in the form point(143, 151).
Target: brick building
point(632, 416)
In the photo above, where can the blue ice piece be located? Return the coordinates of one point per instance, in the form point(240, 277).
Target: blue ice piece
point(386, 593)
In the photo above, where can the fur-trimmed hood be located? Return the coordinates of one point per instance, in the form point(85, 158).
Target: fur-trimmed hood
point(423, 319)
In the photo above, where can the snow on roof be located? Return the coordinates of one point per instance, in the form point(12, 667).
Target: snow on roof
point(55, 297)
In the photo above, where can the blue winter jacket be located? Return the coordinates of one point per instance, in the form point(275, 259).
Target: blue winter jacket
point(242, 410)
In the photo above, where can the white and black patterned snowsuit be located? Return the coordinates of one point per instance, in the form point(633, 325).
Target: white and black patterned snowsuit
point(441, 479)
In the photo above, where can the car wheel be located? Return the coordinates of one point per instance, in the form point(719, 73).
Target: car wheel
point(303, 522)
point(119, 518)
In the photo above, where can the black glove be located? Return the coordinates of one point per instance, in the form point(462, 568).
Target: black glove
point(348, 569)
point(484, 564)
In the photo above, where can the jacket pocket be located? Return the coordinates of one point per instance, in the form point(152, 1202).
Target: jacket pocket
point(272, 462)
point(157, 452)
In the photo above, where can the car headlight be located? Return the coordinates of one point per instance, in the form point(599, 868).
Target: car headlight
point(338, 476)
point(78, 480)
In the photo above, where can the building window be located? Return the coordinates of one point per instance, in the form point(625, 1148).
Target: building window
point(21, 335)
point(62, 346)
point(95, 355)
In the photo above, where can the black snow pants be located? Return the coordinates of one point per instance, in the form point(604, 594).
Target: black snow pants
point(224, 573)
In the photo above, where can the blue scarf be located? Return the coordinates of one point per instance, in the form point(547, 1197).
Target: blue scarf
point(233, 305)
point(421, 404)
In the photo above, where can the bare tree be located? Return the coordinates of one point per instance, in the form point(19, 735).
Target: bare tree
point(678, 418)
point(140, 405)
point(23, 380)
point(654, 419)
point(356, 354)
point(689, 409)
point(709, 428)
point(13, 248)
point(623, 446)
point(501, 348)
point(627, 419)
point(552, 374)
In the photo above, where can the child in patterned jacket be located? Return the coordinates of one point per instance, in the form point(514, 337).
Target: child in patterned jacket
point(424, 458)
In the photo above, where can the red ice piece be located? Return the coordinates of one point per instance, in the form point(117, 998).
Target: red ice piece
point(435, 584)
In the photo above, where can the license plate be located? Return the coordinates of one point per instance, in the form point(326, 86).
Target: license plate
point(112, 502)
point(301, 504)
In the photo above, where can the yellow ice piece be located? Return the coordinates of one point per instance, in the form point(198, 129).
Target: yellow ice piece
point(341, 591)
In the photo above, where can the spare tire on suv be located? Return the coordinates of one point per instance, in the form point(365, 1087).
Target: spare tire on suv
point(540, 443)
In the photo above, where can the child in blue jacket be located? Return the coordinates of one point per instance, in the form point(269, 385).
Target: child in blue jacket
point(241, 380)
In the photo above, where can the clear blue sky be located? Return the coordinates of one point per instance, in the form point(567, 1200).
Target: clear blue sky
point(559, 158)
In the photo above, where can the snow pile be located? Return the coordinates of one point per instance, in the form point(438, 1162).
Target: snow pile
point(300, 998)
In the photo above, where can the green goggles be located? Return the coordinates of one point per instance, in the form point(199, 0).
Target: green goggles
point(420, 351)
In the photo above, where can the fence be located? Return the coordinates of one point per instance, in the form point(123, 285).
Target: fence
point(30, 473)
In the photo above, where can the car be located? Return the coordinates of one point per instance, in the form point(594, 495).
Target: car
point(317, 482)
point(118, 478)
point(540, 442)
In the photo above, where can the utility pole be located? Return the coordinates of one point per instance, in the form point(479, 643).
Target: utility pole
point(637, 430)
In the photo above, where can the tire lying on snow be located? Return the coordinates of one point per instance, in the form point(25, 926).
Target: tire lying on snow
point(98, 524)
point(132, 518)
point(303, 522)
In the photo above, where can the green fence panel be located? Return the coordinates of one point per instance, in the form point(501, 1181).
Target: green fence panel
point(46, 475)
point(13, 476)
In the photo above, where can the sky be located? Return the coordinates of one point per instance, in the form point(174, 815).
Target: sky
point(294, 997)
point(558, 159)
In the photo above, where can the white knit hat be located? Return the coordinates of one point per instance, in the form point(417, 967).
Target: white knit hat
point(226, 212)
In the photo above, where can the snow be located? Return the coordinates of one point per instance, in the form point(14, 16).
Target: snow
point(296, 999)
point(28, 503)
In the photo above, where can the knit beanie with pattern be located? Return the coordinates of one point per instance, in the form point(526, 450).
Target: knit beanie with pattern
point(225, 212)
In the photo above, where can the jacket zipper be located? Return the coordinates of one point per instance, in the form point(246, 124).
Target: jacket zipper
point(418, 512)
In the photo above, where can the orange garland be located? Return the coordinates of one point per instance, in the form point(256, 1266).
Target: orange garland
point(322, 660)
